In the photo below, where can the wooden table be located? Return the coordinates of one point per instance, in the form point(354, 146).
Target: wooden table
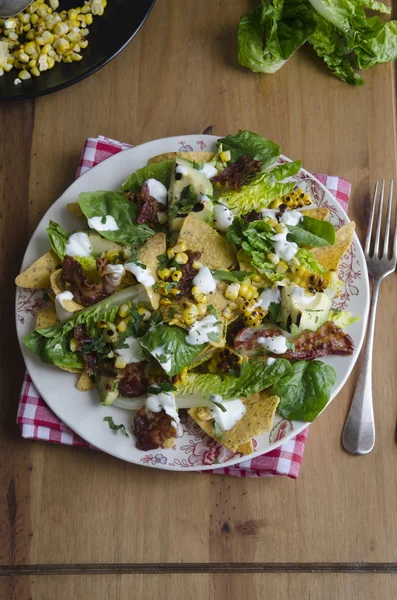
point(189, 535)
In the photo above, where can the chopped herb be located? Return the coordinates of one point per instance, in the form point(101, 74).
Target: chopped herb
point(115, 427)
point(163, 261)
point(103, 220)
point(161, 358)
point(218, 431)
point(213, 336)
point(185, 204)
point(274, 313)
point(163, 386)
point(232, 276)
point(212, 310)
point(141, 265)
point(218, 404)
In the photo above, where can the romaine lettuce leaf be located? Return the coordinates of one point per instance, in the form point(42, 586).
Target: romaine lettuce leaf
point(342, 318)
point(307, 260)
point(160, 171)
point(58, 237)
point(270, 34)
point(305, 391)
point(251, 144)
point(312, 232)
point(169, 347)
point(254, 378)
point(103, 203)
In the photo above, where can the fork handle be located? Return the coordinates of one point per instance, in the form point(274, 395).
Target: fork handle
point(359, 432)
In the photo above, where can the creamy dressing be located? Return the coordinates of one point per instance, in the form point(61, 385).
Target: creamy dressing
point(289, 217)
point(199, 332)
point(284, 249)
point(78, 244)
point(157, 190)
point(302, 296)
point(165, 401)
point(268, 296)
point(270, 361)
point(205, 281)
point(276, 344)
point(182, 170)
point(235, 410)
point(60, 310)
point(97, 223)
point(223, 217)
point(114, 272)
point(209, 170)
point(159, 352)
point(203, 198)
point(133, 353)
point(142, 275)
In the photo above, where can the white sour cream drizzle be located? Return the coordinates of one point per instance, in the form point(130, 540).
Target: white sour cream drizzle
point(142, 275)
point(223, 217)
point(270, 361)
point(109, 224)
point(133, 353)
point(114, 272)
point(160, 351)
point(289, 217)
point(165, 401)
point(284, 250)
point(182, 170)
point(60, 310)
point(198, 333)
point(235, 410)
point(209, 170)
point(276, 344)
point(157, 190)
point(205, 281)
point(78, 244)
point(268, 296)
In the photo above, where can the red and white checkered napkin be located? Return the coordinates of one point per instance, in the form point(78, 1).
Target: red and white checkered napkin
point(38, 422)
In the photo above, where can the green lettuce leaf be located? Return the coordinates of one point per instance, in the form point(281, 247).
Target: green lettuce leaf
point(251, 144)
point(312, 232)
point(103, 203)
point(270, 34)
point(254, 378)
point(305, 391)
point(160, 171)
point(58, 237)
point(307, 260)
point(232, 276)
point(174, 348)
point(342, 318)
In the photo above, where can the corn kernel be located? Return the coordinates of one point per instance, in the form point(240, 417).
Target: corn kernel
point(110, 335)
point(10, 23)
point(72, 14)
point(196, 290)
point(273, 258)
point(23, 57)
point(232, 291)
point(181, 258)
point(201, 309)
point(61, 45)
point(225, 156)
point(175, 292)
point(54, 4)
point(34, 19)
point(89, 19)
point(124, 311)
point(200, 298)
point(164, 273)
point(120, 363)
point(13, 36)
point(145, 313)
point(35, 71)
point(73, 345)
point(122, 326)
point(24, 18)
point(61, 28)
point(24, 75)
point(170, 251)
point(50, 62)
point(196, 265)
point(190, 314)
point(180, 247)
point(47, 37)
point(280, 228)
point(176, 276)
point(165, 301)
point(27, 27)
point(282, 267)
point(102, 324)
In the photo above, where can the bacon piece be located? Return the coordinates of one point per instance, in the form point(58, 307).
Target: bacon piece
point(150, 208)
point(133, 382)
point(328, 339)
point(237, 173)
point(247, 338)
point(253, 215)
point(84, 292)
point(188, 273)
point(83, 338)
point(152, 429)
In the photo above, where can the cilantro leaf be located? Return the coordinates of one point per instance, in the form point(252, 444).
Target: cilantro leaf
point(218, 431)
point(163, 386)
point(115, 427)
point(232, 276)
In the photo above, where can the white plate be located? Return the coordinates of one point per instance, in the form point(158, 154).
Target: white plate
point(82, 412)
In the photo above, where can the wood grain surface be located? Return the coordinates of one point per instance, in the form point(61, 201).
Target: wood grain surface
point(60, 505)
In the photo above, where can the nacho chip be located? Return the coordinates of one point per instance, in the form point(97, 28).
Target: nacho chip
point(258, 418)
point(246, 448)
point(316, 213)
point(75, 210)
point(58, 285)
point(37, 276)
point(85, 382)
point(46, 317)
point(147, 255)
point(198, 157)
point(216, 252)
point(331, 256)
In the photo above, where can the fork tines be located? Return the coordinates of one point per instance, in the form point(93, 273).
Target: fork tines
point(387, 254)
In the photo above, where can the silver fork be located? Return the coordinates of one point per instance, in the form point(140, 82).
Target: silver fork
point(359, 432)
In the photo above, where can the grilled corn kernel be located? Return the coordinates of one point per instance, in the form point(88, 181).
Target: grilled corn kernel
point(170, 253)
point(74, 345)
point(24, 74)
point(162, 217)
point(280, 228)
point(181, 258)
point(61, 28)
point(256, 277)
point(175, 292)
point(24, 18)
point(48, 37)
point(196, 265)
point(196, 290)
point(54, 4)
point(120, 363)
point(162, 288)
point(200, 298)
point(76, 57)
point(110, 355)
point(10, 23)
point(124, 311)
point(164, 273)
point(271, 222)
point(232, 291)
point(204, 414)
point(227, 313)
point(273, 258)
point(110, 334)
point(34, 19)
point(61, 45)
point(121, 326)
point(297, 280)
point(112, 256)
point(84, 44)
point(102, 324)
point(201, 309)
point(24, 57)
point(72, 14)
point(225, 156)
point(50, 62)
point(35, 71)
point(247, 291)
point(145, 313)
point(190, 314)
point(165, 301)
point(180, 247)
point(176, 275)
point(282, 267)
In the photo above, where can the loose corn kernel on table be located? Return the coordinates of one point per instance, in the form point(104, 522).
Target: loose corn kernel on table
point(68, 514)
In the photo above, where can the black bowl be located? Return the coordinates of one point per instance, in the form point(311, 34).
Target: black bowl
point(109, 34)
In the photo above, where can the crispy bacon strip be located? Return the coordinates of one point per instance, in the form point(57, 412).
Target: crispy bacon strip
point(84, 292)
point(150, 208)
point(328, 339)
point(188, 273)
point(83, 338)
point(133, 381)
point(152, 429)
point(237, 173)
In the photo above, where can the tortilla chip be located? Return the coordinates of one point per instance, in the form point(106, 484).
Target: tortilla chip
point(148, 253)
point(216, 252)
point(198, 157)
point(85, 382)
point(37, 276)
point(75, 210)
point(169, 443)
point(317, 213)
point(46, 317)
point(58, 285)
point(258, 418)
point(246, 448)
point(331, 256)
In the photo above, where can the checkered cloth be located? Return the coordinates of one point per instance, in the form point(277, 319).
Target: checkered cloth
point(38, 422)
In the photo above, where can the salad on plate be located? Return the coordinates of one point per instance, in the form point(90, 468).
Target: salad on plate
point(204, 284)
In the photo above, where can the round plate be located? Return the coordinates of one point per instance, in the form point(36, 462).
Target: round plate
point(109, 34)
point(194, 450)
